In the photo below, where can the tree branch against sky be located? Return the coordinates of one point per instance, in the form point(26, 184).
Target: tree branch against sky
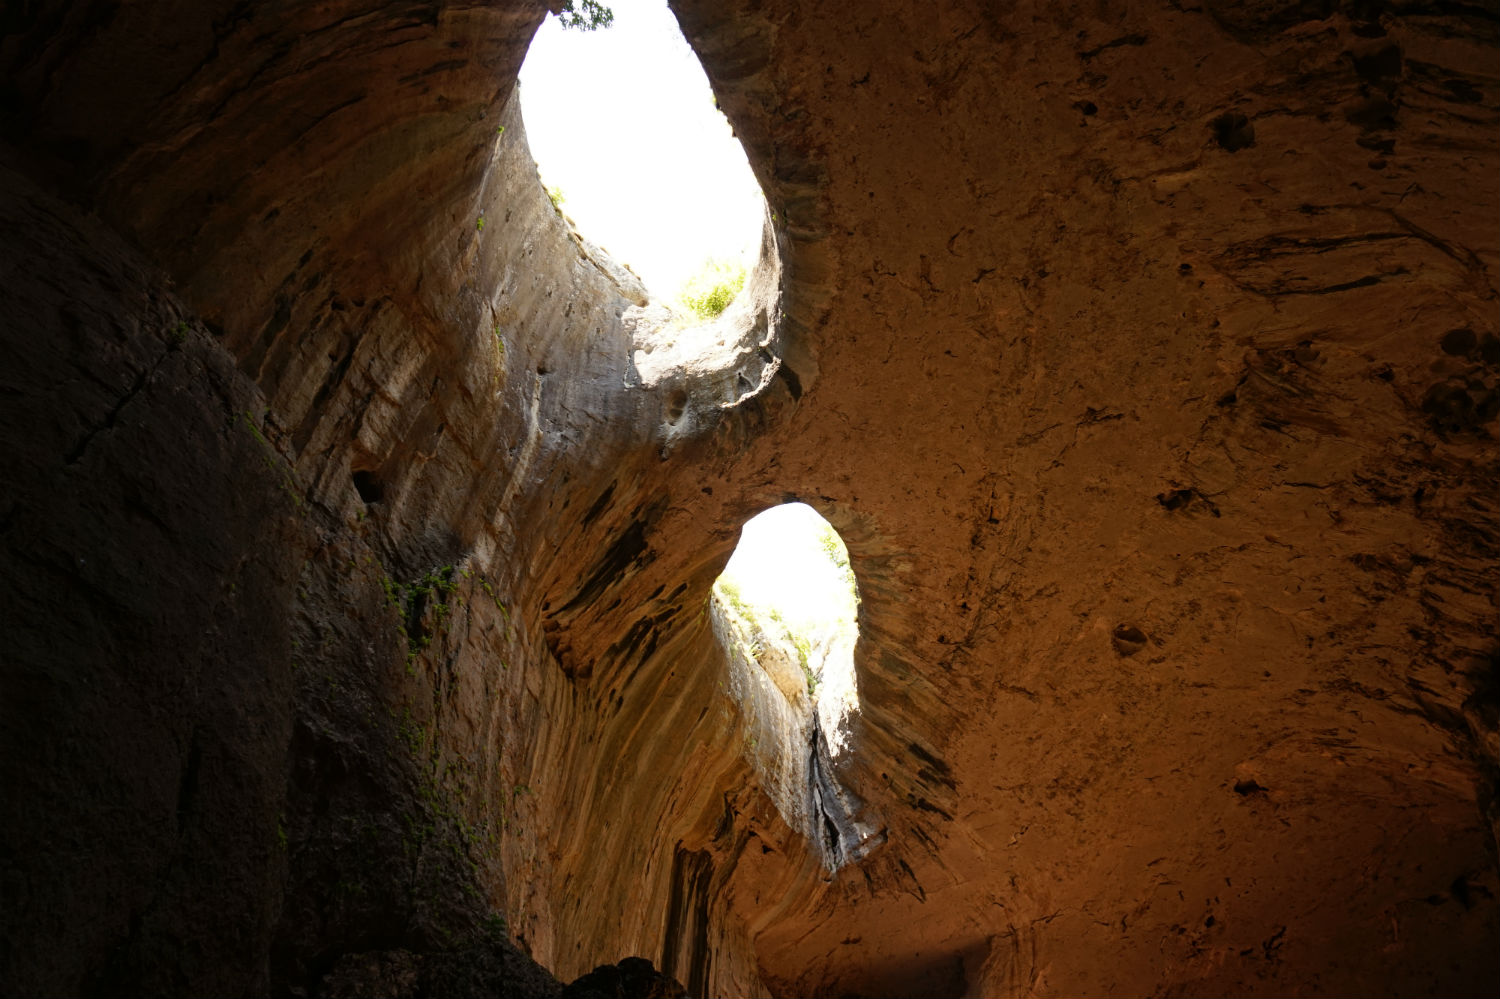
point(586, 15)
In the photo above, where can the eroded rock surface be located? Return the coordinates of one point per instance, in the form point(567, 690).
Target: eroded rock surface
point(355, 569)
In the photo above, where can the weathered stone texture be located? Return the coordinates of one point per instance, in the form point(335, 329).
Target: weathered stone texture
point(356, 565)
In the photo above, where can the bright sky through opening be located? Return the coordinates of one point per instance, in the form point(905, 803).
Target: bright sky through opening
point(792, 568)
point(623, 121)
point(780, 564)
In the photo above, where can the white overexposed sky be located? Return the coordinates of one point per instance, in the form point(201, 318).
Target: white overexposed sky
point(623, 120)
point(780, 564)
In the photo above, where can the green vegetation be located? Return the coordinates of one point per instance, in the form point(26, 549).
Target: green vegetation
point(447, 824)
point(833, 547)
point(708, 293)
point(729, 590)
point(803, 644)
point(510, 630)
point(278, 465)
point(479, 225)
point(412, 601)
point(425, 605)
point(751, 622)
point(585, 15)
point(412, 733)
point(555, 195)
point(758, 616)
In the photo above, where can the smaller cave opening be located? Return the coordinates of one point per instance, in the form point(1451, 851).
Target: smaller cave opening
point(785, 610)
point(789, 583)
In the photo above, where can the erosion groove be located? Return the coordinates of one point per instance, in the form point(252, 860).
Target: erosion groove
point(355, 551)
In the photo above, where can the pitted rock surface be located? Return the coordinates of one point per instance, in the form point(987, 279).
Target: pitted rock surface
point(356, 555)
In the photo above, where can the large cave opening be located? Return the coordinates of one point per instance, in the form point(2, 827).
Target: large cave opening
point(633, 150)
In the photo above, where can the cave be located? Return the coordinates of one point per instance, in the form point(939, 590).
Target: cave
point(633, 149)
point(360, 525)
point(785, 613)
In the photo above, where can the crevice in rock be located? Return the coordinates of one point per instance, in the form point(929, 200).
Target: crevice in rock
point(384, 795)
point(843, 823)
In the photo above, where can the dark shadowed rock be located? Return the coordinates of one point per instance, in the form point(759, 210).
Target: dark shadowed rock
point(355, 556)
point(632, 978)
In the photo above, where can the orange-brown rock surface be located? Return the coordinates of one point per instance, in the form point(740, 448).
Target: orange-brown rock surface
point(356, 560)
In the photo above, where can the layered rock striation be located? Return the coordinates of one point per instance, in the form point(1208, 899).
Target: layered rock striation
point(357, 549)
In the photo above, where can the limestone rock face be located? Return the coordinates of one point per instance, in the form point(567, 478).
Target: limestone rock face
point(356, 550)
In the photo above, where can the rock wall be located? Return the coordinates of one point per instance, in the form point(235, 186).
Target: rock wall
point(356, 556)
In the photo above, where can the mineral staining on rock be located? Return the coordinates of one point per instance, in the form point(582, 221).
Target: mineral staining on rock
point(1071, 377)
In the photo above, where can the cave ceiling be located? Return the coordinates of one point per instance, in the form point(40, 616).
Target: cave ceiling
point(358, 539)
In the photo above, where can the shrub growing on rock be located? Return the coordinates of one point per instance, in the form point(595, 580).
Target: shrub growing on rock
point(709, 292)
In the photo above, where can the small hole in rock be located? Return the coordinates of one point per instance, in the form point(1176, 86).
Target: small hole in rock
point(676, 405)
point(1489, 349)
point(1372, 113)
point(1233, 131)
point(369, 487)
point(1175, 499)
point(1379, 66)
point(1128, 639)
point(1459, 342)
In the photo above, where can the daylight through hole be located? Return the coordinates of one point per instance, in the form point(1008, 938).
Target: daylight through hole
point(785, 610)
point(633, 150)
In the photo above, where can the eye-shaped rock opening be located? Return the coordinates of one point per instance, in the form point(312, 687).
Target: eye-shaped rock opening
point(785, 611)
point(635, 154)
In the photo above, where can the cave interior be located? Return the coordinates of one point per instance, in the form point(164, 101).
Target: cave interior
point(360, 521)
